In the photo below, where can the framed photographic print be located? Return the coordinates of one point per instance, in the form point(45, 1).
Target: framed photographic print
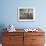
point(26, 14)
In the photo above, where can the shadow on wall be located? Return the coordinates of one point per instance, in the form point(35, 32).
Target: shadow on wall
point(2, 26)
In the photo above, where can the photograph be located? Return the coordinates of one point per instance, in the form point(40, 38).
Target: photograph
point(26, 14)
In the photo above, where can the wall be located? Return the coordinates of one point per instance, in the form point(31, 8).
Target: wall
point(9, 13)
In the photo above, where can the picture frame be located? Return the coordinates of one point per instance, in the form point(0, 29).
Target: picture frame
point(26, 14)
